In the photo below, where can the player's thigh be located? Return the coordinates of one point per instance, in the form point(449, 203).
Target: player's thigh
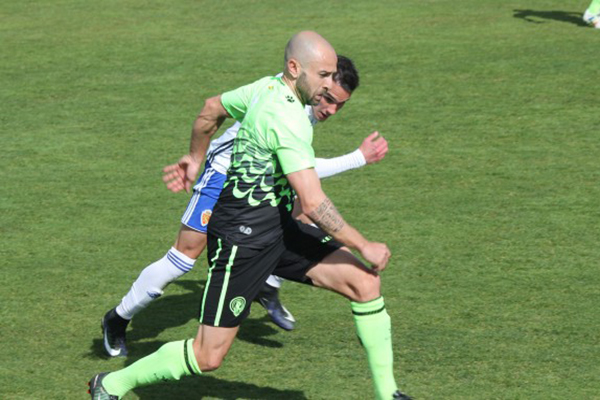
point(192, 236)
point(212, 344)
point(206, 193)
point(313, 257)
point(305, 246)
point(345, 274)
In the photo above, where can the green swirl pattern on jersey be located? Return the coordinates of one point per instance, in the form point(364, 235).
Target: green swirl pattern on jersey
point(256, 176)
point(274, 139)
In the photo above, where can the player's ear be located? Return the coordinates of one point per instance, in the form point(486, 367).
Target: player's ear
point(294, 67)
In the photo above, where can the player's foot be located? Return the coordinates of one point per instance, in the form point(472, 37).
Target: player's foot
point(97, 390)
point(400, 396)
point(268, 297)
point(113, 331)
point(592, 19)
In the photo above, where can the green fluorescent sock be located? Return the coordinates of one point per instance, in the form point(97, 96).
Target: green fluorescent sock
point(374, 330)
point(172, 361)
point(594, 7)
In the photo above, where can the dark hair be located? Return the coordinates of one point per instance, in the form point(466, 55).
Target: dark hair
point(346, 75)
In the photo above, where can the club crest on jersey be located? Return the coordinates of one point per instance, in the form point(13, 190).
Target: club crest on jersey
point(237, 305)
point(205, 217)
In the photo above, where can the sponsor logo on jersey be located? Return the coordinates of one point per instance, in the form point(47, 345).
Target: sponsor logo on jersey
point(246, 230)
point(205, 217)
point(237, 305)
point(289, 98)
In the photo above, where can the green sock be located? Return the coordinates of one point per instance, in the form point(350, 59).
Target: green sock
point(594, 7)
point(374, 330)
point(172, 361)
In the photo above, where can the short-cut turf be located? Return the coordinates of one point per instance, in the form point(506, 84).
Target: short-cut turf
point(488, 197)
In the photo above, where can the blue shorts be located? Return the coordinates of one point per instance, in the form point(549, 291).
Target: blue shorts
point(206, 193)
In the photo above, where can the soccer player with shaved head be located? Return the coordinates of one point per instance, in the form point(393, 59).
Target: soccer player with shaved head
point(191, 238)
point(252, 233)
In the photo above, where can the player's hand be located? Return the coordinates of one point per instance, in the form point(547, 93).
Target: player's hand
point(181, 175)
point(374, 148)
point(377, 254)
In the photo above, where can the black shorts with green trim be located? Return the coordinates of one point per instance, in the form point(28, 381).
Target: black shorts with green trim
point(237, 273)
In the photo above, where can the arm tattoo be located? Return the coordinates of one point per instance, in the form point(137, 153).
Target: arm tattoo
point(327, 217)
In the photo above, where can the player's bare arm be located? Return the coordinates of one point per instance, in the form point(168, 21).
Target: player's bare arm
point(327, 217)
point(320, 209)
point(182, 175)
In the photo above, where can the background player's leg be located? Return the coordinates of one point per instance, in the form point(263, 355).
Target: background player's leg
point(594, 7)
point(149, 286)
point(154, 278)
point(190, 242)
point(592, 14)
point(174, 360)
point(274, 281)
point(268, 297)
point(343, 273)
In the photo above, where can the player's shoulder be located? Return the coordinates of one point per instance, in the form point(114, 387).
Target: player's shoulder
point(278, 105)
point(281, 98)
point(267, 89)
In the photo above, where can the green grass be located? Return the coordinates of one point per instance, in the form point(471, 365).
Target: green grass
point(488, 197)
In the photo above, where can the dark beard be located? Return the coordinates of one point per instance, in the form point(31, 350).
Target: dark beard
point(302, 87)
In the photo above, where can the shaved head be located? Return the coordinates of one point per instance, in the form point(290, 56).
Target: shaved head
point(307, 47)
point(310, 62)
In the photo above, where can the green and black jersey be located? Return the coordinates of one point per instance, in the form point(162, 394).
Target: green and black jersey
point(275, 139)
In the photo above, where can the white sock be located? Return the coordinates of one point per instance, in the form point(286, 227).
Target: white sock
point(151, 282)
point(274, 281)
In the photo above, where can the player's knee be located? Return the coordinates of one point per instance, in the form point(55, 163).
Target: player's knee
point(209, 362)
point(191, 250)
point(207, 359)
point(190, 242)
point(367, 288)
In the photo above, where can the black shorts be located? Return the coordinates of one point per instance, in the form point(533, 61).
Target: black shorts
point(236, 273)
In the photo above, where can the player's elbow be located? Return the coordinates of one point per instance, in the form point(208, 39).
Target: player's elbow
point(213, 108)
point(311, 205)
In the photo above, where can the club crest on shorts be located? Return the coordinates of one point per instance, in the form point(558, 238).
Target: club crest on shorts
point(205, 217)
point(237, 305)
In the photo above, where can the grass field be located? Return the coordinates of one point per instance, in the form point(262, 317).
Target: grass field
point(489, 197)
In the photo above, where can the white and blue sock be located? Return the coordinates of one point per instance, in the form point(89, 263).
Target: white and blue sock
point(151, 282)
point(274, 281)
